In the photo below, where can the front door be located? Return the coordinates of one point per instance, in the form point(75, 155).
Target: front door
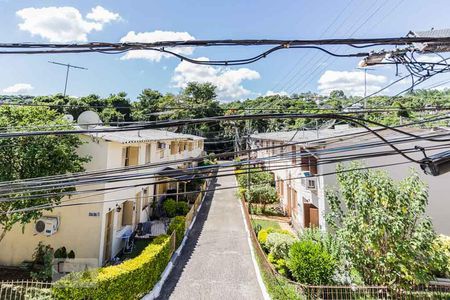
point(108, 235)
point(138, 208)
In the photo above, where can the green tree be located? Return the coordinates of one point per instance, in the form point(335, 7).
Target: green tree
point(382, 226)
point(34, 156)
point(147, 104)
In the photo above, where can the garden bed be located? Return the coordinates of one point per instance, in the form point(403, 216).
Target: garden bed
point(14, 273)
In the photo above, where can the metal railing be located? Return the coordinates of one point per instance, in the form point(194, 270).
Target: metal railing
point(25, 290)
point(434, 291)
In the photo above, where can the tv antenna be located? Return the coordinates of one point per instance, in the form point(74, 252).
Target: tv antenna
point(68, 66)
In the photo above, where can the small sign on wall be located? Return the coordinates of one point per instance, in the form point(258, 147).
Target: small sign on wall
point(94, 214)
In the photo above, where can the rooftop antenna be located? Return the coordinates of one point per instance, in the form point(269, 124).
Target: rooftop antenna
point(68, 66)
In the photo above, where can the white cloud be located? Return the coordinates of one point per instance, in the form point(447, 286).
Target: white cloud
point(18, 88)
point(63, 24)
point(228, 81)
point(102, 15)
point(153, 36)
point(272, 93)
point(351, 82)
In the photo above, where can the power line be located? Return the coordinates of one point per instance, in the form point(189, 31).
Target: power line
point(51, 206)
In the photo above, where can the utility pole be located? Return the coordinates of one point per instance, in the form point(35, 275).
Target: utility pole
point(248, 165)
point(365, 84)
point(68, 66)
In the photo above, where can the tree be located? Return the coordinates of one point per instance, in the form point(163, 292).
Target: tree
point(382, 226)
point(147, 104)
point(262, 194)
point(34, 156)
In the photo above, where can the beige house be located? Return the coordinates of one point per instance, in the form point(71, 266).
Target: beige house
point(303, 198)
point(97, 230)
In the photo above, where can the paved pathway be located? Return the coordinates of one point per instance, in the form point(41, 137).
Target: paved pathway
point(216, 261)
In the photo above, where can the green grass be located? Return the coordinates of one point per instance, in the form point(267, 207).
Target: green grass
point(266, 224)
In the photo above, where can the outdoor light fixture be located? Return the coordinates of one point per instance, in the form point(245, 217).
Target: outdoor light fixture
point(436, 164)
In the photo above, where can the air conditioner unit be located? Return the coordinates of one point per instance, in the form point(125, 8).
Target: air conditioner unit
point(47, 225)
point(305, 174)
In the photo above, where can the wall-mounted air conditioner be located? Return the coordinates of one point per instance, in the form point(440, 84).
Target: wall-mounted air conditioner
point(47, 225)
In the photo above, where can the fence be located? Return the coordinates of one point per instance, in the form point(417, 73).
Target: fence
point(435, 290)
point(193, 211)
point(25, 290)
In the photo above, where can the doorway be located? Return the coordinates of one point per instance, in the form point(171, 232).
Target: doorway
point(108, 235)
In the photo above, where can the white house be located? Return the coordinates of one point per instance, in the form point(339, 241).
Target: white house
point(96, 230)
point(303, 198)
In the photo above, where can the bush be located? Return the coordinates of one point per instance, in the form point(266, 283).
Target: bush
point(263, 233)
point(441, 247)
point(129, 280)
point(278, 244)
point(262, 194)
point(42, 262)
point(177, 224)
point(309, 263)
point(280, 265)
point(173, 208)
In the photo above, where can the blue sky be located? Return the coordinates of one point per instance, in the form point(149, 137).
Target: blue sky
point(284, 72)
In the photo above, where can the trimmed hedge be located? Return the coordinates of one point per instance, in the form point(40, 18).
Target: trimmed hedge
point(129, 280)
point(177, 224)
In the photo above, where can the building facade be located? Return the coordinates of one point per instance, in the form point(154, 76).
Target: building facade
point(97, 228)
point(302, 155)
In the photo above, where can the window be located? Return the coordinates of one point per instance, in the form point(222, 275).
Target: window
point(182, 147)
point(190, 146)
point(174, 147)
point(161, 146)
point(294, 155)
point(127, 213)
point(200, 144)
point(304, 161)
point(148, 153)
point(313, 165)
point(130, 156)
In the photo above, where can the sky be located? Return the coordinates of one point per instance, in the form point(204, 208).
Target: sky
point(285, 72)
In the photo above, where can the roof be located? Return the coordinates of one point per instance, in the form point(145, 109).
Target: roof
point(339, 135)
point(141, 136)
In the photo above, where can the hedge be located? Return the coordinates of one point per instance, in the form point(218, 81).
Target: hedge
point(129, 280)
point(178, 224)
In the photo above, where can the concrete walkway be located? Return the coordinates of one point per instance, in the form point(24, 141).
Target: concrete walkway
point(216, 262)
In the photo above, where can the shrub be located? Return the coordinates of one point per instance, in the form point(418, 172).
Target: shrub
point(263, 233)
point(262, 194)
point(128, 280)
point(60, 253)
point(182, 208)
point(280, 265)
point(42, 262)
point(441, 247)
point(278, 244)
point(177, 224)
point(309, 263)
point(173, 208)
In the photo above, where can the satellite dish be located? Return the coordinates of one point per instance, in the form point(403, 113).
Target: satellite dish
point(88, 119)
point(68, 118)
